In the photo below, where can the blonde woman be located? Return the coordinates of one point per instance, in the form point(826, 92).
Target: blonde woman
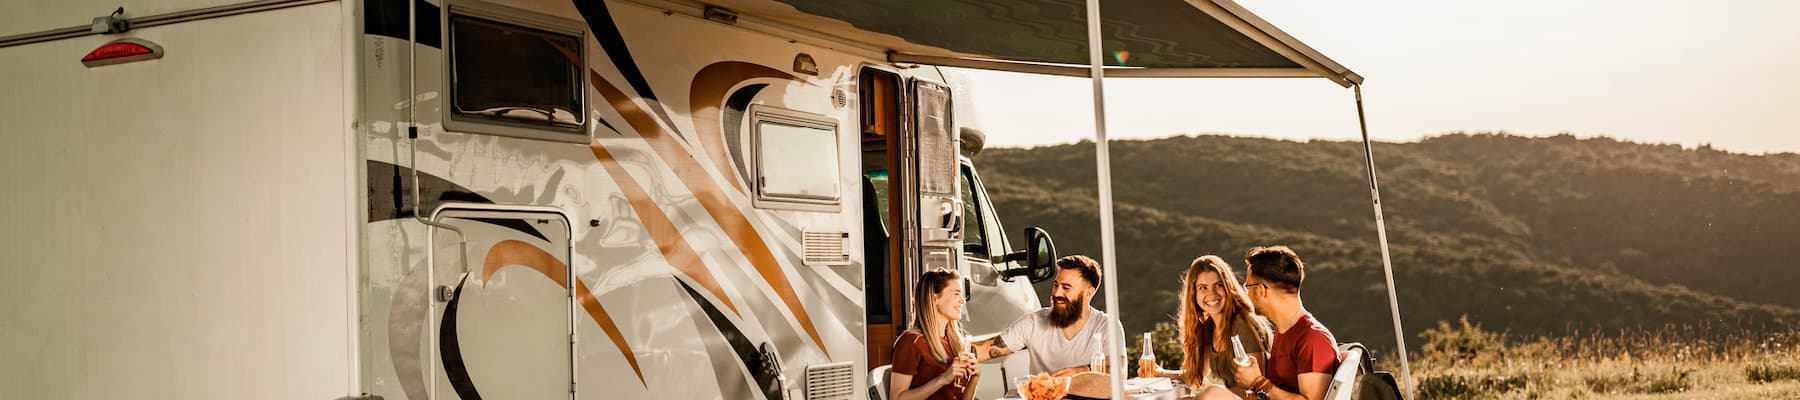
point(1214, 308)
point(929, 363)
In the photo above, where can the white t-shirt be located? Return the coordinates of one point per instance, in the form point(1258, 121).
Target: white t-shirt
point(1050, 351)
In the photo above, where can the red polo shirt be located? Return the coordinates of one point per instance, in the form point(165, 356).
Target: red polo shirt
point(1306, 347)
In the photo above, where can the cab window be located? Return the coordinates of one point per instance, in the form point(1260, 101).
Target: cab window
point(974, 239)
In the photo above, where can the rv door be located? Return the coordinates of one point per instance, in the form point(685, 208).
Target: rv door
point(503, 325)
point(934, 151)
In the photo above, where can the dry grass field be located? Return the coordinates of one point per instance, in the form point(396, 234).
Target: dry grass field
point(1464, 361)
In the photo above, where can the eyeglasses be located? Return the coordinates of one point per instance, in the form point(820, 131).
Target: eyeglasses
point(1247, 286)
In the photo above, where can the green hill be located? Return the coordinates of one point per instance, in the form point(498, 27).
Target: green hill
point(1536, 236)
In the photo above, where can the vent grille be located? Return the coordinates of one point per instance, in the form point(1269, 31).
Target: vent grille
point(835, 381)
point(824, 248)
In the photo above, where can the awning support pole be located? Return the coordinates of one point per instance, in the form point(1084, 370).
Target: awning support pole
point(1115, 354)
point(1387, 264)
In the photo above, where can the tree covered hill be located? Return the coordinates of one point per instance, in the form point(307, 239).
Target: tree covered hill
point(1539, 236)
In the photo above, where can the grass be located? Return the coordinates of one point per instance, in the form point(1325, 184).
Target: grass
point(1766, 372)
point(1463, 361)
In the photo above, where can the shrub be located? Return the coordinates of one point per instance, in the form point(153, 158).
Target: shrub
point(1463, 387)
point(1770, 372)
point(1675, 380)
point(1461, 344)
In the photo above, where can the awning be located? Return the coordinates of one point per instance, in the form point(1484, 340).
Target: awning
point(1142, 38)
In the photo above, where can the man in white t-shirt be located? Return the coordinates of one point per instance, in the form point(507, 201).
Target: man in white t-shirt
point(1062, 338)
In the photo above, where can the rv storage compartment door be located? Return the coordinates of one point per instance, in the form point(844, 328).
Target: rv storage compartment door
point(503, 321)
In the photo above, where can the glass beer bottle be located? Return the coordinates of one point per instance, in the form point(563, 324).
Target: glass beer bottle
point(1147, 361)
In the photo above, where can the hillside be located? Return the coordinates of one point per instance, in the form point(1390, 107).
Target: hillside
point(1535, 236)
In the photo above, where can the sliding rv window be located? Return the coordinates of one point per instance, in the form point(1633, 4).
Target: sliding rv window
point(513, 78)
point(795, 159)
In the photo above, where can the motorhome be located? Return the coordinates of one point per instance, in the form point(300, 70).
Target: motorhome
point(513, 199)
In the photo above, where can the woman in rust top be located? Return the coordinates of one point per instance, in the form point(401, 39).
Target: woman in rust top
point(929, 359)
point(1213, 310)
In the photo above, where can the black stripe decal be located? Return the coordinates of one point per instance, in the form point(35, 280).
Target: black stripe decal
point(733, 117)
point(741, 345)
point(600, 21)
point(435, 190)
point(451, 352)
point(388, 18)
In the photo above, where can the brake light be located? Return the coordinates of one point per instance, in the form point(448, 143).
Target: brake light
point(122, 51)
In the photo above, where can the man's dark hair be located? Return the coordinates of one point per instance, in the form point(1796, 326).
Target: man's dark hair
point(1277, 266)
point(1090, 269)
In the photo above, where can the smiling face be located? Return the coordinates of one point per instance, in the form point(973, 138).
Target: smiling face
point(1211, 293)
point(949, 302)
point(1069, 297)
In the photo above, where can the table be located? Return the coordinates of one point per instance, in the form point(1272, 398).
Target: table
point(1152, 389)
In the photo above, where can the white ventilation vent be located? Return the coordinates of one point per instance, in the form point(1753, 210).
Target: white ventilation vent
point(824, 248)
point(835, 381)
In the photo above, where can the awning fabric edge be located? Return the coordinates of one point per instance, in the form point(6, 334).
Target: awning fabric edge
point(1082, 71)
point(1241, 19)
point(1227, 12)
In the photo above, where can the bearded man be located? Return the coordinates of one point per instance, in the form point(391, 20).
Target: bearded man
point(1060, 338)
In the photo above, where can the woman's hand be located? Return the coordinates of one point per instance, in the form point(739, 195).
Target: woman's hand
point(960, 368)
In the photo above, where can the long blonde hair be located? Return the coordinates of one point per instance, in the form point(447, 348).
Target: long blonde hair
point(925, 294)
point(1197, 327)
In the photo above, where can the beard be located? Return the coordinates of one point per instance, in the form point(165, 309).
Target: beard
point(1065, 311)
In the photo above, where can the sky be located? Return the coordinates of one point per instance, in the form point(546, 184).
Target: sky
point(1724, 73)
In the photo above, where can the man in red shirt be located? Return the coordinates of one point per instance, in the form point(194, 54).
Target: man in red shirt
point(1304, 354)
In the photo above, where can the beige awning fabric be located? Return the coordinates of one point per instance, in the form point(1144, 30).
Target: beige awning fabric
point(1142, 38)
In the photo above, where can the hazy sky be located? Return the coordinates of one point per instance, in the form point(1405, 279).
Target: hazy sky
point(1666, 71)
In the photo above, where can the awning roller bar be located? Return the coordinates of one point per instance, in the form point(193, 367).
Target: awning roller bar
point(1083, 71)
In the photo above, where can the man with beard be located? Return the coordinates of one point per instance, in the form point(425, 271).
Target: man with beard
point(1060, 338)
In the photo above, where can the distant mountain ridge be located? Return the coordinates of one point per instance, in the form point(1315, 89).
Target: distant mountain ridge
point(1538, 236)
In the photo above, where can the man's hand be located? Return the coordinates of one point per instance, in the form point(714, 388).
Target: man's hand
point(1247, 375)
point(991, 349)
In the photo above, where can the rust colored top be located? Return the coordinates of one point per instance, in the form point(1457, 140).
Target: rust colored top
point(913, 358)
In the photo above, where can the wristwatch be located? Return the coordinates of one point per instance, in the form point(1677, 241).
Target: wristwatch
point(1260, 390)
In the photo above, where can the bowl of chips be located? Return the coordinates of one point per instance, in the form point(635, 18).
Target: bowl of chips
point(1042, 387)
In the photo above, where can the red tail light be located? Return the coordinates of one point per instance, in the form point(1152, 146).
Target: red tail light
point(122, 51)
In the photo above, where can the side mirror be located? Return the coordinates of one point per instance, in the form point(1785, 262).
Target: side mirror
point(1039, 257)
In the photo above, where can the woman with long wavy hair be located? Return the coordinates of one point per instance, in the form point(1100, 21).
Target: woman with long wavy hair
point(929, 359)
point(1210, 294)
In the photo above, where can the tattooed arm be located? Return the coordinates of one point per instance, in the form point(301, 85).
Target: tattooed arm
point(991, 349)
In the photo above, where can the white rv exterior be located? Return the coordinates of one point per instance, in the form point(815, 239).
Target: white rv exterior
point(180, 228)
point(293, 202)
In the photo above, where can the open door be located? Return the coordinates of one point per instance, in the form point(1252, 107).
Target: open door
point(503, 320)
point(936, 224)
point(883, 288)
point(912, 198)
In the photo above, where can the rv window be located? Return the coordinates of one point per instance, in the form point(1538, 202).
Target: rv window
point(515, 76)
point(974, 239)
point(796, 161)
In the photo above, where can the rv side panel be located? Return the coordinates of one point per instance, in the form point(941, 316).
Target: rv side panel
point(176, 228)
point(30, 16)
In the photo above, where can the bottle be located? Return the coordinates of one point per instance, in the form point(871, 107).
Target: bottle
point(1238, 355)
point(1147, 361)
point(1097, 362)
